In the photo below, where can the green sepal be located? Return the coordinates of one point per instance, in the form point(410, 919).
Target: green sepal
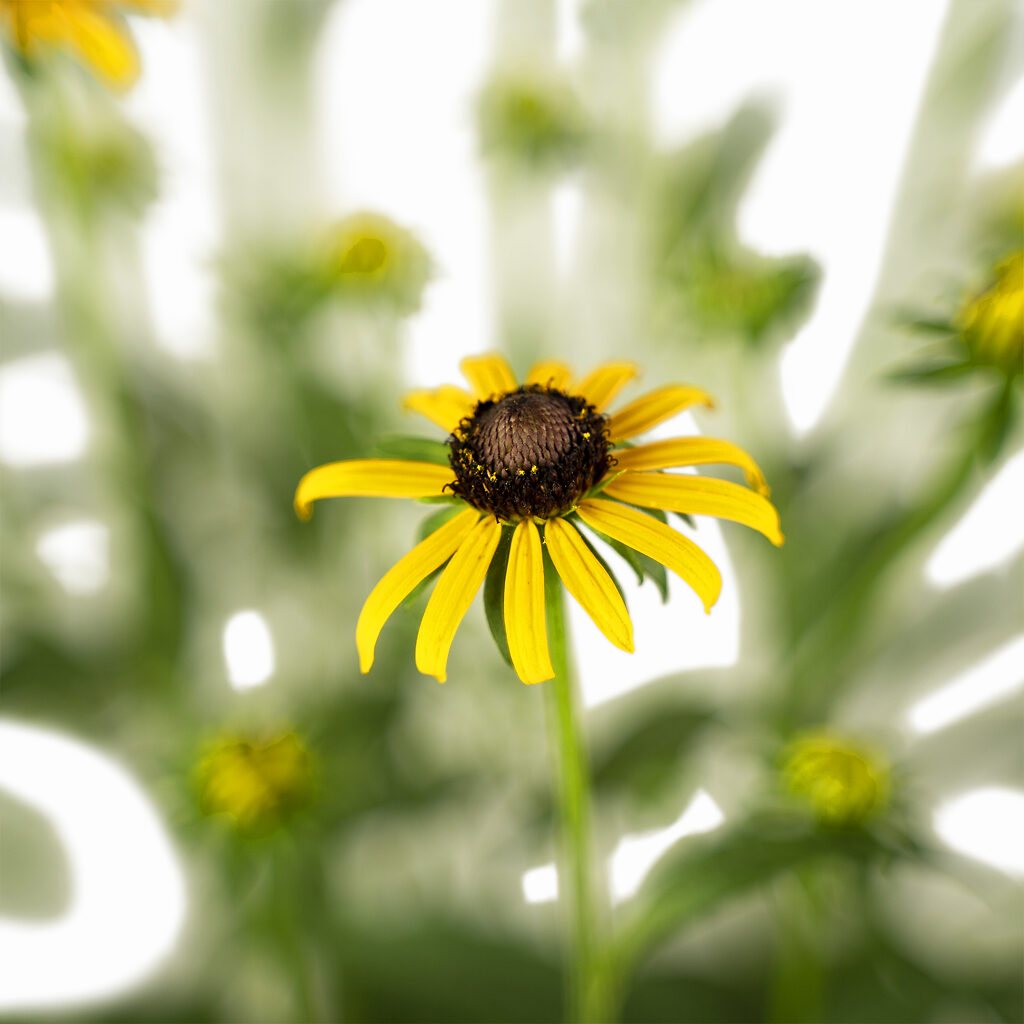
point(415, 449)
point(607, 568)
point(925, 324)
point(687, 518)
point(494, 593)
point(442, 499)
point(655, 513)
point(435, 521)
point(427, 581)
point(642, 565)
point(931, 373)
point(602, 484)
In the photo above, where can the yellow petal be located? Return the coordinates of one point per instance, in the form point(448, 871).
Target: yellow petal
point(444, 406)
point(690, 451)
point(370, 478)
point(655, 407)
point(161, 8)
point(650, 537)
point(102, 43)
point(525, 626)
point(454, 593)
point(489, 375)
point(604, 382)
point(699, 496)
point(35, 23)
point(588, 581)
point(400, 580)
point(551, 373)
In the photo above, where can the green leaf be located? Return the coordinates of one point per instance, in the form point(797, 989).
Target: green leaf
point(999, 423)
point(435, 521)
point(415, 449)
point(494, 593)
point(645, 757)
point(703, 875)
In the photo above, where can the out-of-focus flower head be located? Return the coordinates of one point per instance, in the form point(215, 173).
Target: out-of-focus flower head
point(259, 782)
point(371, 259)
point(96, 160)
point(94, 31)
point(985, 334)
point(746, 294)
point(992, 322)
point(843, 783)
point(531, 119)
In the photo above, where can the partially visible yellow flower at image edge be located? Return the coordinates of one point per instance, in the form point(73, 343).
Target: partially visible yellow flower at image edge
point(93, 30)
point(542, 460)
point(843, 782)
point(257, 782)
point(992, 323)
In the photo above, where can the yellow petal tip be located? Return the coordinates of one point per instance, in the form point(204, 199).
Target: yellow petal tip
point(534, 682)
point(304, 511)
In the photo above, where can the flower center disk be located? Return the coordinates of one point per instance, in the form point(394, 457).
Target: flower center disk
point(532, 452)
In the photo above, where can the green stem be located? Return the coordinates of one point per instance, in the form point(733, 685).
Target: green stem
point(587, 992)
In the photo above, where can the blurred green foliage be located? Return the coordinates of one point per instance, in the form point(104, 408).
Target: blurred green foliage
point(395, 893)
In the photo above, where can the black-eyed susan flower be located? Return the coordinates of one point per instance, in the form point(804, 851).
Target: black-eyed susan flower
point(843, 782)
point(371, 259)
point(537, 465)
point(92, 30)
point(257, 782)
point(992, 323)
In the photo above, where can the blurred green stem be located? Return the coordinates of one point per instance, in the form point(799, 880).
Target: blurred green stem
point(288, 881)
point(96, 323)
point(587, 993)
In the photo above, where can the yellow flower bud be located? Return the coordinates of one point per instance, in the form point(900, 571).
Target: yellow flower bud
point(843, 782)
point(992, 323)
point(371, 259)
point(259, 783)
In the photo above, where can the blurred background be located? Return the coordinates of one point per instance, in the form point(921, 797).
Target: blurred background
point(233, 232)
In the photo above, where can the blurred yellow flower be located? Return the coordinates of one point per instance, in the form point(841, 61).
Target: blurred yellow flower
point(844, 783)
point(993, 322)
point(257, 782)
point(93, 30)
point(525, 464)
point(371, 258)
